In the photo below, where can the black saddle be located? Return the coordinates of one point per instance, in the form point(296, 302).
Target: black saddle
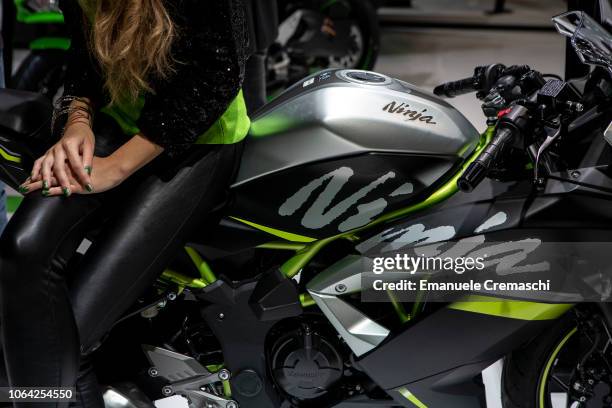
point(24, 113)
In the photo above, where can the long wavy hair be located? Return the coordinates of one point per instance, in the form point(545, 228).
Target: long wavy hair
point(131, 40)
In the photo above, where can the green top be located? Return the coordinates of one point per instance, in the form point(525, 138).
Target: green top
point(231, 127)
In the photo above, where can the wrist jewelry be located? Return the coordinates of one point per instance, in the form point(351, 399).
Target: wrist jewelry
point(64, 107)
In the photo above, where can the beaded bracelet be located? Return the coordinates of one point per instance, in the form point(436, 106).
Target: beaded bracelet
point(74, 113)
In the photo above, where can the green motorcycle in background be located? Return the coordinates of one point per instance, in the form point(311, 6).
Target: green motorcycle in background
point(313, 35)
point(43, 69)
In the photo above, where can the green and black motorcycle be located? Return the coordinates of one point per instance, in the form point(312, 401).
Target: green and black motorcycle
point(267, 306)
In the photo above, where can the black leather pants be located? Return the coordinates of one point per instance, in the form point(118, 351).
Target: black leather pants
point(47, 320)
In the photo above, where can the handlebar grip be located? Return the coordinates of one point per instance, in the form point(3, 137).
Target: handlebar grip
point(455, 88)
point(479, 168)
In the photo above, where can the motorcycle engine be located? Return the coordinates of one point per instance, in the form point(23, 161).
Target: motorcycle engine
point(305, 362)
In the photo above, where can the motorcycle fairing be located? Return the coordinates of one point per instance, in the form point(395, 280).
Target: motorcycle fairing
point(342, 147)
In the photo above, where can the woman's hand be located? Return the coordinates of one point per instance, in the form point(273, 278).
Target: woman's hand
point(76, 148)
point(109, 171)
point(107, 175)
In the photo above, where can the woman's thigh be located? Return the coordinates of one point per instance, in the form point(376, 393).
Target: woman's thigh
point(44, 229)
point(48, 227)
point(154, 213)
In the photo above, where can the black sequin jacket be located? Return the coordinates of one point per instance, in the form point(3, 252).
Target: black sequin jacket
point(211, 47)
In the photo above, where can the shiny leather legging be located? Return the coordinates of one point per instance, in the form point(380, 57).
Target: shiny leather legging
point(46, 323)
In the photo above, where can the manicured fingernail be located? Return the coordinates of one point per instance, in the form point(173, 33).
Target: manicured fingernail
point(45, 192)
point(23, 189)
point(89, 187)
point(88, 169)
point(45, 185)
point(66, 191)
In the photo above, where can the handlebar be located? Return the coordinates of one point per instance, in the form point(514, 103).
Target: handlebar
point(479, 168)
point(484, 78)
point(508, 129)
point(509, 94)
point(455, 88)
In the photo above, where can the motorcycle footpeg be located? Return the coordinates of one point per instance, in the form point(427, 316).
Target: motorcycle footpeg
point(199, 398)
point(183, 372)
point(173, 366)
point(187, 378)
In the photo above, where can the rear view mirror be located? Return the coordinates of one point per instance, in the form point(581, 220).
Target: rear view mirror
point(592, 42)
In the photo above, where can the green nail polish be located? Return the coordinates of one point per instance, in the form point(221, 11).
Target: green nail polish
point(89, 187)
point(66, 191)
point(45, 192)
point(45, 185)
point(23, 189)
point(88, 169)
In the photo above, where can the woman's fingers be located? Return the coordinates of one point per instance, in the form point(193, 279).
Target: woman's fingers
point(35, 175)
point(78, 163)
point(28, 187)
point(59, 170)
point(88, 154)
point(46, 172)
point(23, 187)
point(56, 191)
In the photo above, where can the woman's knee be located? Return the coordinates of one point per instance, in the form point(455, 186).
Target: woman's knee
point(36, 233)
point(19, 248)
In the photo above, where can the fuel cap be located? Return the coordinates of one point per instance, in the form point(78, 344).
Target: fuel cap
point(365, 77)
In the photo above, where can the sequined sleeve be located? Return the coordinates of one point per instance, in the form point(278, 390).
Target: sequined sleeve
point(210, 52)
point(83, 78)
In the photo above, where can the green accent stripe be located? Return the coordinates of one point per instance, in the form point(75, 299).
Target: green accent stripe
point(511, 309)
point(41, 18)
point(183, 280)
point(398, 307)
point(411, 397)
point(12, 203)
point(445, 191)
point(50, 43)
point(205, 271)
point(291, 267)
point(283, 245)
point(9, 157)
point(24, 15)
point(306, 300)
point(281, 234)
point(549, 363)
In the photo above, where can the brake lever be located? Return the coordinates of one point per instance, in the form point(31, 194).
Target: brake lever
point(552, 134)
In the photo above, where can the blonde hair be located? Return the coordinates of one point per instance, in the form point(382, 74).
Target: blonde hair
point(131, 40)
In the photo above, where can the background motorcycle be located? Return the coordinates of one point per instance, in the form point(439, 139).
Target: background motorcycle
point(264, 307)
point(313, 35)
point(43, 69)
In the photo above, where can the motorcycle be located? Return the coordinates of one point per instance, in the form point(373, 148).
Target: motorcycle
point(43, 69)
point(266, 305)
point(313, 35)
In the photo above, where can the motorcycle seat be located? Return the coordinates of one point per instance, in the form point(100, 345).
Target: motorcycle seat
point(24, 113)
